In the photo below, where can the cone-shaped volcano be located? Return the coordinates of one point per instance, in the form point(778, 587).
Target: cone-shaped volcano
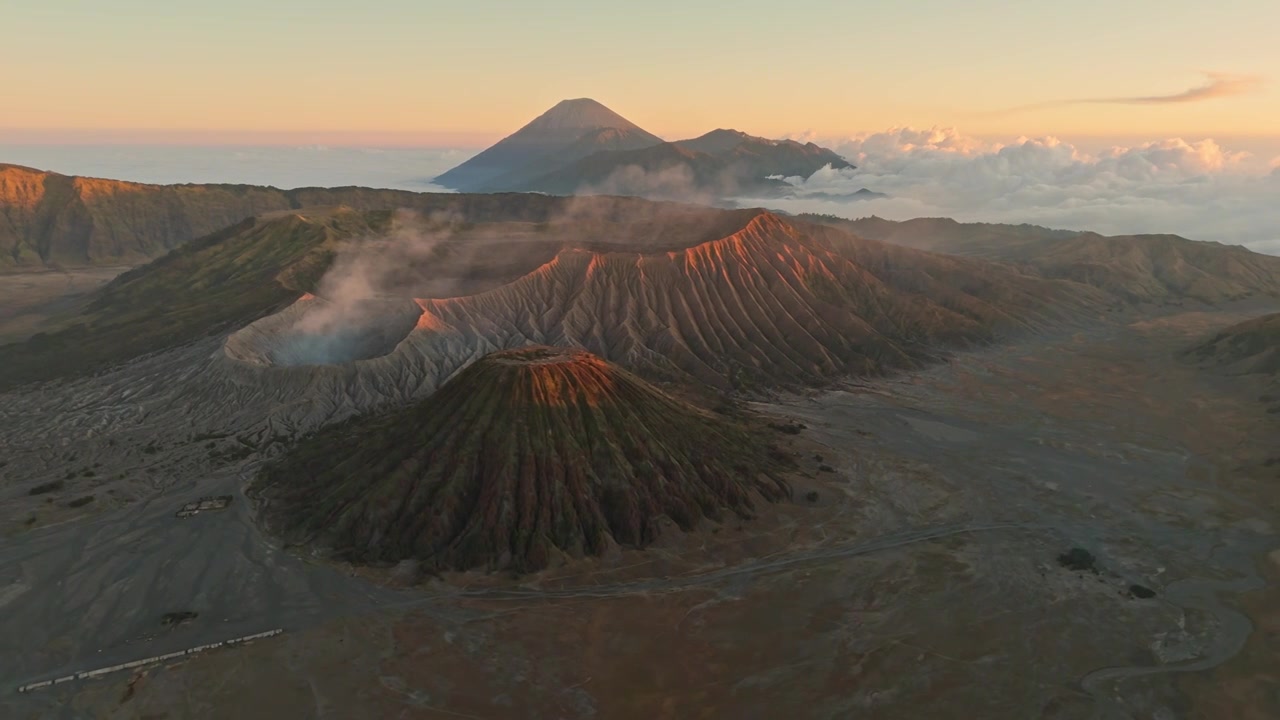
point(524, 452)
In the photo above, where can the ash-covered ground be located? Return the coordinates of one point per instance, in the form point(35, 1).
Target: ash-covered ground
point(918, 572)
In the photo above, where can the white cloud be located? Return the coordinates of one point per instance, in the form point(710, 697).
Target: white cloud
point(1195, 189)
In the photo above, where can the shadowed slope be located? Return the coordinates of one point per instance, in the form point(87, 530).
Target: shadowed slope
point(1249, 347)
point(719, 164)
point(524, 454)
point(570, 130)
point(260, 265)
point(1159, 267)
point(945, 235)
point(52, 219)
point(1134, 268)
point(754, 157)
point(769, 305)
point(582, 146)
point(599, 140)
point(215, 284)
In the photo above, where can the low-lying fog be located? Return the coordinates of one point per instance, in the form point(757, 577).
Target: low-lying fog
point(1198, 189)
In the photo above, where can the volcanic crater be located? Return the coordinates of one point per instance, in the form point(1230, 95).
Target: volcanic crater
point(525, 456)
point(316, 331)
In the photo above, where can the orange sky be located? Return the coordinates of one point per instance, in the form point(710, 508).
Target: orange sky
point(408, 73)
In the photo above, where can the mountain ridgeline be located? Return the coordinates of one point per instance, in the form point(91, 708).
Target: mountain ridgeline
point(53, 220)
point(732, 298)
point(1133, 268)
point(739, 299)
point(570, 131)
point(580, 146)
point(48, 220)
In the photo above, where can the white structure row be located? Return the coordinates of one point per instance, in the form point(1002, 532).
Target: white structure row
point(146, 661)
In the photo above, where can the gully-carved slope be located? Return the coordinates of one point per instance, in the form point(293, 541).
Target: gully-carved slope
point(525, 454)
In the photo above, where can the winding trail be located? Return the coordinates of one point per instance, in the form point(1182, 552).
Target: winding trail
point(1232, 631)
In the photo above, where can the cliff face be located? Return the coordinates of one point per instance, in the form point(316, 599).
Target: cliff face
point(48, 219)
point(51, 219)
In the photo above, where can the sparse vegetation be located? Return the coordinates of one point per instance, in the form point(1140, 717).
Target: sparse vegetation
point(524, 454)
point(1079, 560)
point(208, 285)
point(1141, 592)
point(781, 457)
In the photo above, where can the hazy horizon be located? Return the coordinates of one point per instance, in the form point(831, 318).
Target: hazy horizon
point(1198, 188)
point(1116, 115)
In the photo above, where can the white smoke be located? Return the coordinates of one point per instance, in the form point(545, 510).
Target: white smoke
point(1195, 189)
point(675, 182)
point(364, 303)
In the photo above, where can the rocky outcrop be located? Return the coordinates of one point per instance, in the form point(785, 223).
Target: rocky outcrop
point(47, 219)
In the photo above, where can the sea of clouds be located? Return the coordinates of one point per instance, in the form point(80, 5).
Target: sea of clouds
point(1195, 189)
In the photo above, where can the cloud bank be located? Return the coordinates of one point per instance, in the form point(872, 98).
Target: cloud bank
point(1195, 189)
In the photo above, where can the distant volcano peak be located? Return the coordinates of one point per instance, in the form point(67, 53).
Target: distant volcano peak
point(571, 130)
point(580, 113)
